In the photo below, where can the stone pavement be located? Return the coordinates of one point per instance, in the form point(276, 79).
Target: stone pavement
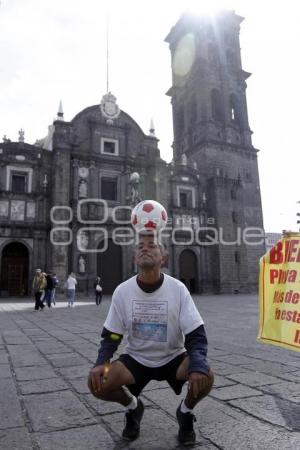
point(45, 404)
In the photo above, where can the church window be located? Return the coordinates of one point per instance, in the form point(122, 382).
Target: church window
point(233, 113)
point(237, 257)
point(248, 176)
point(18, 182)
point(109, 189)
point(109, 146)
point(185, 197)
point(19, 179)
point(216, 105)
point(234, 109)
point(233, 194)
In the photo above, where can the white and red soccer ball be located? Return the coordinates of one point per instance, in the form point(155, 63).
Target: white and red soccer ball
point(149, 215)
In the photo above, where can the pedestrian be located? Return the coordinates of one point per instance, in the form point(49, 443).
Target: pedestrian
point(70, 285)
point(98, 290)
point(38, 286)
point(55, 283)
point(44, 290)
point(48, 289)
point(166, 340)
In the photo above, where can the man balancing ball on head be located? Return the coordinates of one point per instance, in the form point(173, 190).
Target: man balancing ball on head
point(166, 341)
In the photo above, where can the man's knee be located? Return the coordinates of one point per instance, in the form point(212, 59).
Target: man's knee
point(117, 377)
point(104, 391)
point(207, 386)
point(101, 395)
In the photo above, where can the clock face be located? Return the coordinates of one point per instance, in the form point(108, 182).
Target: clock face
point(83, 172)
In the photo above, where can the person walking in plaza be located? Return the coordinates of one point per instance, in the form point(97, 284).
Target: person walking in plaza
point(166, 340)
point(98, 291)
point(44, 290)
point(38, 286)
point(48, 289)
point(55, 284)
point(70, 285)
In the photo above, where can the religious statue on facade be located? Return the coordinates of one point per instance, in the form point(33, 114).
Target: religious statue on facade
point(45, 181)
point(81, 264)
point(82, 189)
point(183, 159)
point(134, 182)
point(82, 241)
point(21, 135)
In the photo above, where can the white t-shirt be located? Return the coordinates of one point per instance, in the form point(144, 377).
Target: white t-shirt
point(155, 322)
point(71, 283)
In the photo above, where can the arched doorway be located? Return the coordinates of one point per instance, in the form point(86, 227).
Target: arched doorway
point(109, 267)
point(14, 269)
point(188, 270)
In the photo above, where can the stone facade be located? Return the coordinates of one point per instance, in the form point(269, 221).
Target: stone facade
point(64, 201)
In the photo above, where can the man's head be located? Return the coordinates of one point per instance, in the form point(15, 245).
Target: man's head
point(149, 253)
point(38, 271)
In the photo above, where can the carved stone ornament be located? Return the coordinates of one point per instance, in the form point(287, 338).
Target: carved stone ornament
point(17, 210)
point(30, 210)
point(109, 108)
point(3, 208)
point(183, 159)
point(83, 172)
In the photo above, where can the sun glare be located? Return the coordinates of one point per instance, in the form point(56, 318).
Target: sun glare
point(184, 55)
point(206, 7)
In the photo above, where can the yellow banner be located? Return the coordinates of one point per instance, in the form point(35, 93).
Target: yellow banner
point(279, 294)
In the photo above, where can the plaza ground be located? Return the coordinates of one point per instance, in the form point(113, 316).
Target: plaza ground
point(45, 404)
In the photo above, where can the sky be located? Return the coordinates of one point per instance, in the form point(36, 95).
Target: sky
point(56, 49)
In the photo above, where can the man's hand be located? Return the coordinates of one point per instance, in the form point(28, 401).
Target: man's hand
point(95, 379)
point(198, 382)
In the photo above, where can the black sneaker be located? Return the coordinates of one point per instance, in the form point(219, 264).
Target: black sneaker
point(186, 433)
point(133, 419)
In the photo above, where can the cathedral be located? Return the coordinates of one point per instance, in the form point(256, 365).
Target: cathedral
point(65, 201)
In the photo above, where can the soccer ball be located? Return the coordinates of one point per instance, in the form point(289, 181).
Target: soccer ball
point(148, 215)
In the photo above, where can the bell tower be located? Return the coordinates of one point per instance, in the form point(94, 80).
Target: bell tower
point(208, 83)
point(211, 129)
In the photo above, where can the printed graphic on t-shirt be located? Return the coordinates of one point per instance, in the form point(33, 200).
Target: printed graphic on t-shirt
point(150, 320)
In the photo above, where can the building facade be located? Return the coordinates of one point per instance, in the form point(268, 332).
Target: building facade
point(272, 239)
point(65, 201)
